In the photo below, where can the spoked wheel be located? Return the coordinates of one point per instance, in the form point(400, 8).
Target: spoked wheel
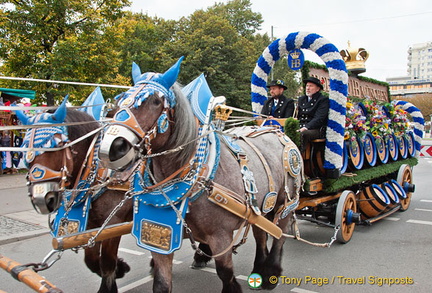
point(345, 212)
point(405, 179)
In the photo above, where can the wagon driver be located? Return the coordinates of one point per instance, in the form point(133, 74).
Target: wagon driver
point(278, 106)
point(313, 112)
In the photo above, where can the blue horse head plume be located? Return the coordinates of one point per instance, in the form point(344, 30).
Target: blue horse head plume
point(45, 118)
point(156, 82)
point(44, 137)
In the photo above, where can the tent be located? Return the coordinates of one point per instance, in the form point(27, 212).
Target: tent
point(17, 94)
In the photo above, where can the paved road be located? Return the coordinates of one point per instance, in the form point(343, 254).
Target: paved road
point(397, 248)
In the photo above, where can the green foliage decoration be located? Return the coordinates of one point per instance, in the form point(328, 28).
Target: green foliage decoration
point(291, 130)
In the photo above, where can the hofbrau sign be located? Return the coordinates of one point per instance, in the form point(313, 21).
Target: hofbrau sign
point(356, 87)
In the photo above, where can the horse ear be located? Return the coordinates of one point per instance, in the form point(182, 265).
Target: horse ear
point(60, 114)
point(170, 76)
point(22, 117)
point(136, 72)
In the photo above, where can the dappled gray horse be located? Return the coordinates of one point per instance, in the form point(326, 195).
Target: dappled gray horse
point(185, 175)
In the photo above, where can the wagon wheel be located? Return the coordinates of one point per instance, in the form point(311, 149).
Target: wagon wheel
point(346, 207)
point(405, 176)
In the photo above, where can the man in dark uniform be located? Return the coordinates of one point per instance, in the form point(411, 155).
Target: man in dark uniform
point(278, 106)
point(313, 111)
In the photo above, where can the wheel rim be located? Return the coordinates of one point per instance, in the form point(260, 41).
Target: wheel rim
point(345, 208)
point(405, 176)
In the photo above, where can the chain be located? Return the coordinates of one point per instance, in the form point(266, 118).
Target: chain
point(328, 244)
point(45, 264)
point(179, 148)
point(91, 242)
point(333, 239)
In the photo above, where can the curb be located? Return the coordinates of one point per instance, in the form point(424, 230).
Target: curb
point(14, 228)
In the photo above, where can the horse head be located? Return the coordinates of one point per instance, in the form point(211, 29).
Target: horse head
point(50, 171)
point(144, 120)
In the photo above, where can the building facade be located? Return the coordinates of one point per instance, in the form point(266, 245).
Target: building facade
point(419, 73)
point(420, 61)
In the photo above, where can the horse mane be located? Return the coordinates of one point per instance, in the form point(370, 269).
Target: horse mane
point(185, 127)
point(77, 131)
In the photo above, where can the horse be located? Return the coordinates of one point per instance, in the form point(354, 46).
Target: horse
point(65, 167)
point(156, 133)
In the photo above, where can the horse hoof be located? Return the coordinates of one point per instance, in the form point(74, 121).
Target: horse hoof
point(198, 265)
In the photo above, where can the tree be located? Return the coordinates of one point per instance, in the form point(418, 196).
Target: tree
point(240, 15)
point(59, 39)
point(423, 102)
point(143, 39)
point(214, 46)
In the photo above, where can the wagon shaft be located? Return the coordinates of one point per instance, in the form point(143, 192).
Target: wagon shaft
point(26, 275)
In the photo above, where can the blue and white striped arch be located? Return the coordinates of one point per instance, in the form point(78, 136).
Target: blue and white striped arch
point(338, 85)
point(418, 121)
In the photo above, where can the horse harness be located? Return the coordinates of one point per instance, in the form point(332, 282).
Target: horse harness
point(292, 167)
point(44, 183)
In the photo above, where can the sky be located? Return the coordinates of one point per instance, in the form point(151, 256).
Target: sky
point(385, 28)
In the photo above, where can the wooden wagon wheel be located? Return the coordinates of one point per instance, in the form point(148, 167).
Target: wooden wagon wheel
point(404, 177)
point(345, 210)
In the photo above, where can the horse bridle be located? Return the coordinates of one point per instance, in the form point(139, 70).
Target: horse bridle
point(43, 183)
point(47, 185)
point(125, 125)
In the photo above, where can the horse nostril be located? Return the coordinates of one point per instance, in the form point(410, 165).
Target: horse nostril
point(119, 148)
point(52, 201)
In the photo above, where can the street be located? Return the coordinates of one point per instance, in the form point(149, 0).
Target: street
point(392, 255)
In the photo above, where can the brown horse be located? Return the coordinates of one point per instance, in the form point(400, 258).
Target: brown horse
point(157, 125)
point(63, 167)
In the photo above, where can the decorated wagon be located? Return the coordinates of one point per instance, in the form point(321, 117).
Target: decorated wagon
point(362, 171)
point(168, 167)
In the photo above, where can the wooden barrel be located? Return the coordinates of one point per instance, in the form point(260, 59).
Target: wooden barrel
point(382, 150)
point(411, 144)
point(369, 149)
point(398, 189)
point(373, 200)
point(392, 194)
point(356, 154)
point(345, 156)
point(403, 147)
point(392, 146)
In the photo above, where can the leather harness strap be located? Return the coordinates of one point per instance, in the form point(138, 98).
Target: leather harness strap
point(263, 161)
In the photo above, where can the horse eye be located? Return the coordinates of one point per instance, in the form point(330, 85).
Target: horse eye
point(157, 102)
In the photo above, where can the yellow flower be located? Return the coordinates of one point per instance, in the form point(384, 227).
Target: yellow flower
point(347, 135)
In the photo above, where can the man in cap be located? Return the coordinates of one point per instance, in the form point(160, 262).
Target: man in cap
point(313, 111)
point(278, 106)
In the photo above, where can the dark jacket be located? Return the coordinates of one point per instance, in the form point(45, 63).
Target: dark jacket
point(284, 108)
point(313, 114)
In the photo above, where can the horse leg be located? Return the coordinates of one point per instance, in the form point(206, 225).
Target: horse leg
point(111, 266)
point(224, 265)
point(201, 260)
point(92, 258)
point(261, 250)
point(272, 265)
point(162, 272)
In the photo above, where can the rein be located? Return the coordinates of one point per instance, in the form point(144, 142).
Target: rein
point(66, 145)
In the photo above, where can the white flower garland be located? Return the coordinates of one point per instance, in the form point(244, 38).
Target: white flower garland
point(338, 85)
